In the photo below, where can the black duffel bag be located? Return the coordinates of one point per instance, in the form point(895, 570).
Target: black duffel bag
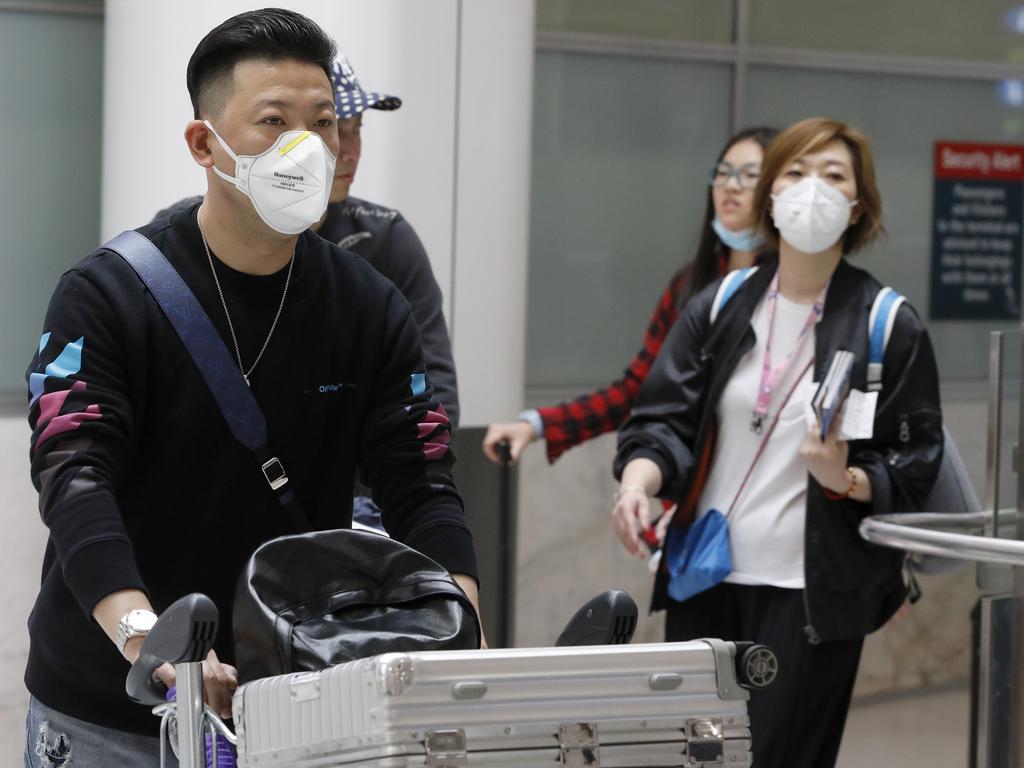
point(306, 602)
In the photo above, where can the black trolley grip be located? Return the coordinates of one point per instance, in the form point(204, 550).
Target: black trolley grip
point(182, 636)
point(506, 534)
point(184, 633)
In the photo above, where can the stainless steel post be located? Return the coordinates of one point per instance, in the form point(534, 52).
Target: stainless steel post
point(191, 746)
point(995, 722)
point(999, 694)
point(1016, 651)
point(995, 424)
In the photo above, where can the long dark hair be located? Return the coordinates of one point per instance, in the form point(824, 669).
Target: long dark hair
point(711, 248)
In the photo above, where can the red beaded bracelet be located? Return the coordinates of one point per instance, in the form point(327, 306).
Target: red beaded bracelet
point(833, 496)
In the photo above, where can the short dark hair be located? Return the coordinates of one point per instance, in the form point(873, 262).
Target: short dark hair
point(270, 34)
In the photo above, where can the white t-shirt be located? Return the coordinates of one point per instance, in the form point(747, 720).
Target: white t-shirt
point(766, 527)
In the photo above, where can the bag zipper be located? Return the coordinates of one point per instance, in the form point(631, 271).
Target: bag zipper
point(812, 634)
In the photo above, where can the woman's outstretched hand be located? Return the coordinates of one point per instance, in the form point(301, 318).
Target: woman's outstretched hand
point(630, 516)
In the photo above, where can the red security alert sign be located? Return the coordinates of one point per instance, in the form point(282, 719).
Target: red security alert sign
point(956, 160)
point(977, 231)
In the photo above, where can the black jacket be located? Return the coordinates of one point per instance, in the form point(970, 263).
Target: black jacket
point(852, 587)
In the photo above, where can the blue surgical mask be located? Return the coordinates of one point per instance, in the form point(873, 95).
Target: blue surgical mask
point(744, 240)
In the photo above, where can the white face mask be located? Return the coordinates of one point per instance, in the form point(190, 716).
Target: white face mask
point(811, 215)
point(289, 184)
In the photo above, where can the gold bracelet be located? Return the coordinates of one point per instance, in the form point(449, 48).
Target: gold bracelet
point(834, 496)
point(853, 483)
point(627, 488)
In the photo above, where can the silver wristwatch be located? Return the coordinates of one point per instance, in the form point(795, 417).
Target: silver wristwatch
point(135, 623)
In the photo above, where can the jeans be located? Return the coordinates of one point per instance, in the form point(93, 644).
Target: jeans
point(54, 740)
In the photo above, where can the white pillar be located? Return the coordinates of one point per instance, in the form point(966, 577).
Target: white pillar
point(454, 160)
point(492, 206)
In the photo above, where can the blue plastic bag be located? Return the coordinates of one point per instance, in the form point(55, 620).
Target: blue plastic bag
point(698, 557)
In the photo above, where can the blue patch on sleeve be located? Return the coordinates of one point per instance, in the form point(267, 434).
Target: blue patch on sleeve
point(69, 362)
point(418, 383)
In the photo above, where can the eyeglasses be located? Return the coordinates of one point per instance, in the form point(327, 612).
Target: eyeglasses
point(746, 175)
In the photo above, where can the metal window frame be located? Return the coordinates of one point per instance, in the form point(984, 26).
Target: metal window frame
point(52, 7)
point(741, 54)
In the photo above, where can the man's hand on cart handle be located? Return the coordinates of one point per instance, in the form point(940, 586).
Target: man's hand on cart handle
point(219, 683)
point(219, 679)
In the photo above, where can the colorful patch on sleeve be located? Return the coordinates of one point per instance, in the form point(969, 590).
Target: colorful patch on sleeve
point(54, 422)
point(68, 363)
point(418, 383)
point(435, 432)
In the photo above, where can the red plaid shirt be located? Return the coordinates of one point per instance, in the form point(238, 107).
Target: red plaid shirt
point(569, 424)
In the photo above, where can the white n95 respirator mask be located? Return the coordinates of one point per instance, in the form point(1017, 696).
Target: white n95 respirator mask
point(811, 215)
point(289, 184)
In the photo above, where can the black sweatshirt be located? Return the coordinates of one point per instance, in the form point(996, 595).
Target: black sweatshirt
point(142, 485)
point(384, 238)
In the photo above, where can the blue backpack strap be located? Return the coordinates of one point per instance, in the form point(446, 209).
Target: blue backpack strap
point(728, 287)
point(880, 323)
point(211, 356)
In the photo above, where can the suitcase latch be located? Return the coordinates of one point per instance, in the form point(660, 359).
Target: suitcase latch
point(579, 745)
point(446, 749)
point(705, 740)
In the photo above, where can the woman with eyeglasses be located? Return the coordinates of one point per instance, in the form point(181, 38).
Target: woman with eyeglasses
point(722, 426)
point(727, 242)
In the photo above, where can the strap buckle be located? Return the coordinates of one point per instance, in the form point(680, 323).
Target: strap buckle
point(273, 470)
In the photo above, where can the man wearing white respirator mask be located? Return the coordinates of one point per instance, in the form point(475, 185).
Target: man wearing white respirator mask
point(721, 427)
point(379, 234)
point(146, 492)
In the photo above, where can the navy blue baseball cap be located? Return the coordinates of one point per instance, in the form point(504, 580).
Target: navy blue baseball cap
point(349, 97)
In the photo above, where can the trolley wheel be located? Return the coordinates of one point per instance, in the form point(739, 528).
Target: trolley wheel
point(758, 667)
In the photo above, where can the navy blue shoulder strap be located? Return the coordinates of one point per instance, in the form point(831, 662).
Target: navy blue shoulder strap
point(211, 356)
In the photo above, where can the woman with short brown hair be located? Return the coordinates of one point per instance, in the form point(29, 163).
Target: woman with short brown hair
point(721, 426)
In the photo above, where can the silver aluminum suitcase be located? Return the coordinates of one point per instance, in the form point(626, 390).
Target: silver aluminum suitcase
point(663, 704)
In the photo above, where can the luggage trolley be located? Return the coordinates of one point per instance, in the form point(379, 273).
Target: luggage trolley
point(658, 704)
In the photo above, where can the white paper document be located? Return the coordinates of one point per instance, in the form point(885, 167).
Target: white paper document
point(858, 415)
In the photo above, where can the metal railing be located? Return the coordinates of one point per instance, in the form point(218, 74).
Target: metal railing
point(945, 535)
point(995, 541)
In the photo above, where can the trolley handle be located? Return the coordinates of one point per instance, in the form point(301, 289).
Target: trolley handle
point(184, 633)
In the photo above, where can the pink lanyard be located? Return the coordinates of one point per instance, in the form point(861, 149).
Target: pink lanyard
point(770, 376)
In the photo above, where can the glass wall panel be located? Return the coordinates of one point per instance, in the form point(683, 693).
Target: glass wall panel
point(903, 117)
point(987, 30)
point(49, 209)
point(622, 147)
point(693, 20)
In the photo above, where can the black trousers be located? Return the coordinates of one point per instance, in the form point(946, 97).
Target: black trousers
point(797, 722)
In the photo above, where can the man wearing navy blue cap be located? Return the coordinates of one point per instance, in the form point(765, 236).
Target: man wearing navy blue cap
point(383, 237)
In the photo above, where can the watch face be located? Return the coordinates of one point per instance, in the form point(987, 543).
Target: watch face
point(140, 621)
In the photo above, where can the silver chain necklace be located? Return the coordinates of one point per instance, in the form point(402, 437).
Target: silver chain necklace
point(231, 327)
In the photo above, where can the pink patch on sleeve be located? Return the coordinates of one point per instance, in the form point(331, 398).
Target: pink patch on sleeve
point(50, 406)
point(435, 421)
point(443, 435)
point(434, 451)
point(433, 430)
